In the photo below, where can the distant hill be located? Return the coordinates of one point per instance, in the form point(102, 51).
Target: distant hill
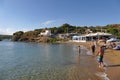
point(66, 28)
point(5, 37)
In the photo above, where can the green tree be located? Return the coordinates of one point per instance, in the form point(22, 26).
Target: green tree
point(65, 28)
point(17, 35)
point(112, 31)
point(54, 30)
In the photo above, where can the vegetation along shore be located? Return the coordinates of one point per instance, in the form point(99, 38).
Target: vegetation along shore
point(34, 36)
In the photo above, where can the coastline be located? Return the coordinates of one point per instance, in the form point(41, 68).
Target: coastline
point(111, 60)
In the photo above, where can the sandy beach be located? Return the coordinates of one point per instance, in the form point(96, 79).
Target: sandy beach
point(113, 64)
point(111, 60)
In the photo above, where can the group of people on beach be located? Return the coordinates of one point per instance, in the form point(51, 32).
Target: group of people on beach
point(100, 52)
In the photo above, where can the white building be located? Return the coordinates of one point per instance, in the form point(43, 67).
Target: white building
point(79, 39)
point(91, 36)
point(46, 33)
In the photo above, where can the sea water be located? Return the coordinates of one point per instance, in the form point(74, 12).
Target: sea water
point(35, 61)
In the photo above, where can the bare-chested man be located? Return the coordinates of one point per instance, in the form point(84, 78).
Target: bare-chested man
point(100, 55)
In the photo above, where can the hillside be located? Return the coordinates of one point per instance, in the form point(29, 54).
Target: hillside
point(5, 37)
point(66, 28)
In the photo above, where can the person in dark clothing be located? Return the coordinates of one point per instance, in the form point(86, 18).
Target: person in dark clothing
point(93, 48)
point(79, 50)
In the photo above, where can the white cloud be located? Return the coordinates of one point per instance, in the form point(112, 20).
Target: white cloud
point(6, 31)
point(9, 31)
point(46, 23)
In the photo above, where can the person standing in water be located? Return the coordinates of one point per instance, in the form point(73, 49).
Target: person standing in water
point(100, 55)
point(79, 50)
point(93, 48)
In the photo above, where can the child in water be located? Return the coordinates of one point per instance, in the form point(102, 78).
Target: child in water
point(79, 50)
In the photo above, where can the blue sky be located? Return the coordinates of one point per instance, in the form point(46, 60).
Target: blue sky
point(25, 15)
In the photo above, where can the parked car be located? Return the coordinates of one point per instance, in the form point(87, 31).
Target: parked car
point(112, 40)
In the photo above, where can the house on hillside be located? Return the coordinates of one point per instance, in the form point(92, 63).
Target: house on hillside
point(67, 35)
point(63, 36)
point(45, 33)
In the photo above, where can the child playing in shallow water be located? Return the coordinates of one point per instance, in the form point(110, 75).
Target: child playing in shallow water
point(79, 50)
point(100, 55)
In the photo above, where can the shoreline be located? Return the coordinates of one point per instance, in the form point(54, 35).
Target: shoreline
point(111, 59)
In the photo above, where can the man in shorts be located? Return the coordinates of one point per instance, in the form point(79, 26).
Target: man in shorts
point(100, 55)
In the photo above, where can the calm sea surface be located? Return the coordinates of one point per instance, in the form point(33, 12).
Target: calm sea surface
point(32, 61)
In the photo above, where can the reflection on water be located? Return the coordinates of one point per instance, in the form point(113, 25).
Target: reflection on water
point(31, 61)
point(78, 59)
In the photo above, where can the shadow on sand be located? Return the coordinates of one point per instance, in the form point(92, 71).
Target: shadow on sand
point(116, 65)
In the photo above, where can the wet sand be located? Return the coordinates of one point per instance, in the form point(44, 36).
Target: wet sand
point(113, 64)
point(85, 69)
point(111, 59)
